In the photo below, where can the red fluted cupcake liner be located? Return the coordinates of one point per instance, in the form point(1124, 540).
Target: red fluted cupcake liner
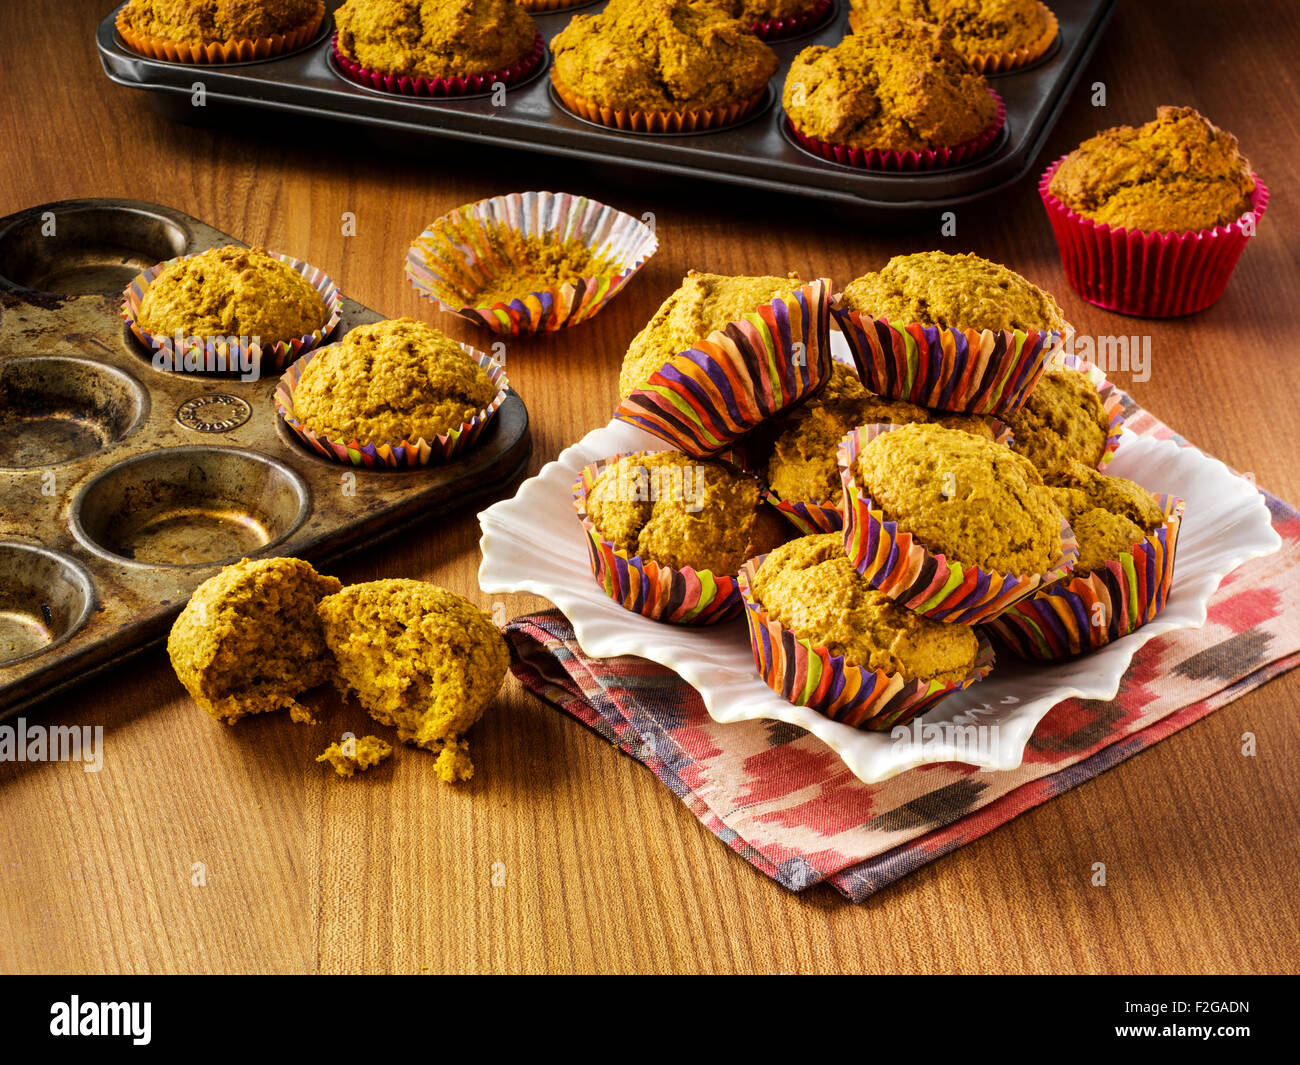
point(888, 159)
point(780, 28)
point(706, 399)
point(929, 584)
point(1090, 610)
point(1151, 275)
point(458, 85)
point(808, 674)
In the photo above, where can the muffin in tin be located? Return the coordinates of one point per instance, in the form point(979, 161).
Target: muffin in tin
point(210, 21)
point(993, 34)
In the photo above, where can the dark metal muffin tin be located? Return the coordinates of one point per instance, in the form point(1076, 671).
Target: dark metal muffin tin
point(757, 153)
point(122, 487)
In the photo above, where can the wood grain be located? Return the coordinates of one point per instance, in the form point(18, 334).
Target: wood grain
point(604, 868)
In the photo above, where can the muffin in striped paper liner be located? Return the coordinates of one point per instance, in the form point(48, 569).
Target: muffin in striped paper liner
point(458, 85)
point(679, 596)
point(232, 51)
point(1089, 610)
point(460, 254)
point(906, 571)
point(808, 674)
point(778, 29)
point(969, 371)
point(1001, 62)
point(1112, 400)
point(393, 454)
point(274, 356)
point(704, 400)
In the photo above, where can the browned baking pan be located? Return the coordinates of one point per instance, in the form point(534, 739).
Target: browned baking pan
point(122, 486)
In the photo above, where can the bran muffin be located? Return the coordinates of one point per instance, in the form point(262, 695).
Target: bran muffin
point(666, 507)
point(213, 21)
point(899, 85)
point(1062, 421)
point(393, 380)
point(249, 641)
point(419, 658)
point(810, 587)
point(973, 501)
point(434, 38)
point(356, 755)
point(232, 291)
point(703, 303)
point(959, 291)
point(1178, 173)
point(662, 56)
point(980, 27)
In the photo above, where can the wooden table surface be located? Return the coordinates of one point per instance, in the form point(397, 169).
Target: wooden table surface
point(603, 868)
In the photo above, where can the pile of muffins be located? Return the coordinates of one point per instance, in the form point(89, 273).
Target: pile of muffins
point(882, 526)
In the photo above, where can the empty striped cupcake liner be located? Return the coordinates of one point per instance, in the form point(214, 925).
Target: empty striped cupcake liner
point(968, 371)
point(1090, 610)
point(704, 400)
point(457, 85)
point(808, 674)
point(1151, 275)
point(1112, 401)
point(400, 454)
point(1001, 62)
point(684, 596)
point(232, 51)
point(229, 351)
point(458, 256)
point(929, 584)
point(778, 29)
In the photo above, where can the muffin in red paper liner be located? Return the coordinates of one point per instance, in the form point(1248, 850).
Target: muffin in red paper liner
point(705, 399)
point(467, 250)
point(455, 85)
point(1150, 275)
point(1042, 440)
point(680, 595)
point(780, 27)
point(636, 120)
point(274, 356)
point(195, 49)
point(807, 673)
point(393, 454)
point(1089, 610)
point(994, 62)
point(894, 562)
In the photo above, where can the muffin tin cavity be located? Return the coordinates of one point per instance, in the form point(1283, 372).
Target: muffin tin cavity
point(190, 506)
point(45, 598)
point(86, 249)
point(56, 408)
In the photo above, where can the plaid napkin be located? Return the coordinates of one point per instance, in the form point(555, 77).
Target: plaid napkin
point(786, 803)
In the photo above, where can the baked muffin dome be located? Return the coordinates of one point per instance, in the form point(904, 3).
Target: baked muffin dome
point(973, 501)
point(1109, 515)
point(1062, 421)
point(232, 291)
point(898, 84)
point(645, 505)
point(418, 657)
point(434, 38)
point(662, 55)
point(1178, 173)
point(393, 380)
point(962, 291)
point(249, 640)
point(810, 587)
point(979, 26)
point(210, 21)
point(703, 303)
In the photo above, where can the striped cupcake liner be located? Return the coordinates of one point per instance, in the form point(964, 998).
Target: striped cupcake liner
point(1091, 610)
point(778, 29)
point(458, 256)
point(402, 454)
point(458, 85)
point(220, 350)
point(808, 674)
point(705, 399)
point(684, 596)
point(967, 371)
point(233, 51)
point(889, 159)
point(636, 121)
point(1000, 62)
point(1151, 275)
point(1112, 401)
point(903, 569)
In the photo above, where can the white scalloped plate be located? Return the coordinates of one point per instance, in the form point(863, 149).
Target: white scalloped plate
point(534, 543)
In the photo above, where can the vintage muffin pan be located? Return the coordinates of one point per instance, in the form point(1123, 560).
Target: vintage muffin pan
point(759, 152)
point(122, 487)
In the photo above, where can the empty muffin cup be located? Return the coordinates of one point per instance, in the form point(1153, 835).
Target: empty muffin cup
point(808, 674)
point(237, 50)
point(45, 598)
point(467, 252)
